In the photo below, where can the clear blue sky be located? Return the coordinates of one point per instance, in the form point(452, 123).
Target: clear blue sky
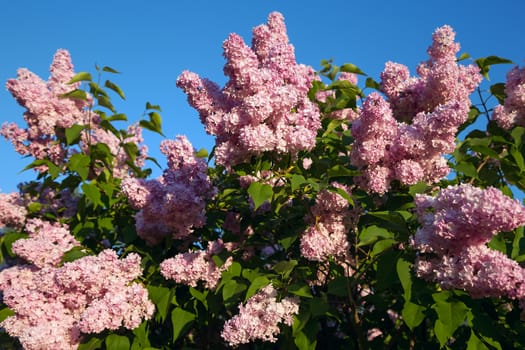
point(152, 42)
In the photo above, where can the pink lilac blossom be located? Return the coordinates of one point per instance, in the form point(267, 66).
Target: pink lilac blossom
point(326, 235)
point(464, 215)
point(259, 319)
point(46, 244)
point(441, 80)
point(264, 106)
point(12, 210)
point(477, 269)
point(48, 112)
point(173, 204)
point(45, 109)
point(54, 305)
point(435, 104)
point(193, 266)
point(456, 225)
point(512, 112)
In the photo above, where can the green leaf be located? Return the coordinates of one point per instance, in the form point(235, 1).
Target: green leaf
point(382, 245)
point(154, 107)
point(468, 169)
point(8, 239)
point(73, 134)
point(285, 267)
point(93, 343)
point(451, 315)
point(498, 90)
point(202, 153)
point(231, 289)
point(306, 339)
point(116, 88)
point(296, 181)
point(259, 193)
point(79, 163)
point(518, 158)
point(110, 70)
point(474, 343)
point(405, 277)
point(5, 313)
point(257, 283)
point(413, 314)
point(117, 342)
point(300, 289)
point(75, 95)
point(92, 193)
point(484, 64)
point(161, 297)
point(338, 286)
point(141, 335)
point(463, 56)
point(118, 116)
point(371, 83)
point(80, 76)
point(371, 234)
point(181, 320)
point(351, 68)
point(74, 253)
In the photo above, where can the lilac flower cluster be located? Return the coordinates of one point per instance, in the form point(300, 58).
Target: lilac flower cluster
point(173, 204)
point(456, 226)
point(55, 304)
point(47, 112)
point(46, 244)
point(326, 235)
point(12, 210)
point(513, 111)
point(260, 318)
point(193, 266)
point(435, 104)
point(264, 106)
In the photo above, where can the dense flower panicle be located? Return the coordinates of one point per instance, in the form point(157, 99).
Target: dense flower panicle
point(477, 269)
point(512, 112)
point(464, 215)
point(326, 235)
point(173, 204)
point(193, 266)
point(12, 210)
point(264, 106)
point(123, 307)
point(434, 105)
point(259, 319)
point(441, 80)
point(46, 244)
point(45, 109)
point(47, 112)
point(387, 150)
point(456, 225)
point(54, 305)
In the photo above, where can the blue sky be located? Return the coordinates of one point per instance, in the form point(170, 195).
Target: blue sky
point(152, 42)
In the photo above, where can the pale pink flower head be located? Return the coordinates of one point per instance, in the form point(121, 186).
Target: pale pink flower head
point(12, 210)
point(477, 269)
point(260, 317)
point(46, 244)
point(512, 112)
point(193, 266)
point(173, 204)
point(45, 108)
point(264, 107)
point(464, 215)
